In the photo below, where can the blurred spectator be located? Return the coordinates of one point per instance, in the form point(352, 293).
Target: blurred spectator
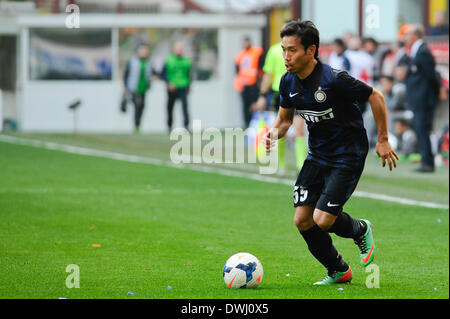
point(346, 37)
point(137, 78)
point(361, 64)
point(395, 56)
point(402, 30)
point(421, 93)
point(177, 74)
point(370, 45)
point(441, 26)
point(443, 145)
point(395, 89)
point(248, 66)
point(406, 139)
point(400, 73)
point(394, 95)
point(337, 59)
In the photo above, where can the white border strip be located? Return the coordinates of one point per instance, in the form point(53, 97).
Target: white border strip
point(202, 168)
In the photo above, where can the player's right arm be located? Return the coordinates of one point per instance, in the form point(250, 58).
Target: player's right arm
point(383, 148)
point(279, 128)
point(361, 92)
point(283, 120)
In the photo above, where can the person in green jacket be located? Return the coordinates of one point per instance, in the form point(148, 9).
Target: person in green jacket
point(137, 81)
point(177, 74)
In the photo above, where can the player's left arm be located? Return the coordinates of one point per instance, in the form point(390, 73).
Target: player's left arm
point(383, 147)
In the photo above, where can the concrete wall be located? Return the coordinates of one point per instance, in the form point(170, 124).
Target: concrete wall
point(333, 18)
point(381, 19)
point(43, 105)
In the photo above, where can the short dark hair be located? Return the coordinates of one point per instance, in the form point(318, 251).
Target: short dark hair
point(339, 42)
point(402, 121)
point(142, 44)
point(305, 30)
point(418, 30)
point(387, 77)
point(370, 39)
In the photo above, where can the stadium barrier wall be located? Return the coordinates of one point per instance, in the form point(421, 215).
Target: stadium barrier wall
point(43, 104)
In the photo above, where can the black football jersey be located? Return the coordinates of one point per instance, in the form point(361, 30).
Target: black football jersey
point(326, 99)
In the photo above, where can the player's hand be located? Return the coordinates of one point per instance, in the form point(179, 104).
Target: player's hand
point(269, 140)
point(387, 154)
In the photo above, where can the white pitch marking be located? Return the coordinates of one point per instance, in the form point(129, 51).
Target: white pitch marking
point(207, 169)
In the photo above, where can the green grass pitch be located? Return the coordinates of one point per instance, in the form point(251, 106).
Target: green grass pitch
point(159, 226)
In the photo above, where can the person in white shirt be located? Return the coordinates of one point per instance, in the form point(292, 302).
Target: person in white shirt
point(361, 68)
point(361, 62)
point(337, 59)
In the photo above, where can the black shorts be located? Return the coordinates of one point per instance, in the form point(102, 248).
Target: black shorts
point(326, 188)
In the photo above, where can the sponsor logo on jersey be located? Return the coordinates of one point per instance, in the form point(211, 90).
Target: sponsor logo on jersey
point(315, 116)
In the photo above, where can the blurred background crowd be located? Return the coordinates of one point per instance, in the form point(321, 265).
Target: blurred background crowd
point(410, 82)
point(128, 63)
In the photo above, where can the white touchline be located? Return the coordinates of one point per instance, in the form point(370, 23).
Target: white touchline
point(202, 168)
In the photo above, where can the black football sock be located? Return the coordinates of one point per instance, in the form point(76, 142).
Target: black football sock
point(321, 247)
point(348, 227)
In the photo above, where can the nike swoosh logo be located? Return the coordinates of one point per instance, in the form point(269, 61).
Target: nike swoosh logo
point(332, 205)
point(231, 282)
point(292, 95)
point(368, 255)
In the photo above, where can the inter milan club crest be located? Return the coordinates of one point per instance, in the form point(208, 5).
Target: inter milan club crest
point(320, 95)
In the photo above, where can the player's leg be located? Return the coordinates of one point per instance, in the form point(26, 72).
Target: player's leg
point(320, 244)
point(360, 231)
point(306, 192)
point(303, 218)
point(339, 186)
point(301, 150)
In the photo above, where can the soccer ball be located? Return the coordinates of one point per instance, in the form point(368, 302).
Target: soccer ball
point(243, 270)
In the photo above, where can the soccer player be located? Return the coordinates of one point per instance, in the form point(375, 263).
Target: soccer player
point(326, 99)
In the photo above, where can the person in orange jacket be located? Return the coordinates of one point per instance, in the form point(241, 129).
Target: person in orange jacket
point(248, 68)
